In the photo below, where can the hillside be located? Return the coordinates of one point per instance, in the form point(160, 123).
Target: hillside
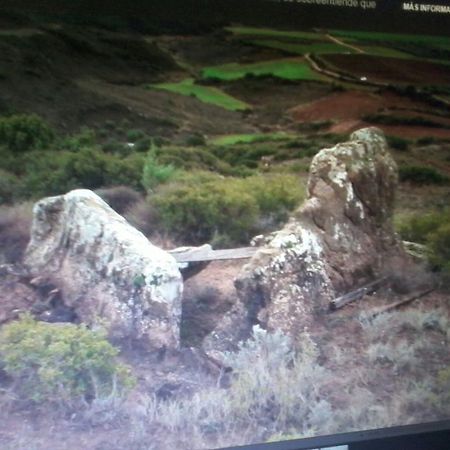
point(205, 135)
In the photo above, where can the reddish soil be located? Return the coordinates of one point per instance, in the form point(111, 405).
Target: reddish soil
point(348, 108)
point(388, 70)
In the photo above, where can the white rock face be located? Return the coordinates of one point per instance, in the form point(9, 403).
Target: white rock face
point(109, 272)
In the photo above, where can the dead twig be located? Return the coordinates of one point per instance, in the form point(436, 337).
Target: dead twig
point(343, 300)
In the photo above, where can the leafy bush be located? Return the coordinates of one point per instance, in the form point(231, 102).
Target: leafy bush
point(143, 144)
point(135, 135)
point(191, 158)
point(120, 198)
point(427, 140)
point(85, 138)
point(196, 140)
point(433, 230)
point(417, 228)
point(9, 187)
point(439, 244)
point(22, 132)
point(422, 175)
point(202, 205)
point(64, 364)
point(50, 173)
point(398, 143)
point(419, 121)
point(155, 173)
point(198, 212)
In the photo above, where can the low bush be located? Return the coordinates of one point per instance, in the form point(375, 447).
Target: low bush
point(155, 173)
point(196, 140)
point(427, 140)
point(15, 225)
point(9, 187)
point(433, 230)
point(422, 175)
point(439, 245)
point(22, 132)
point(61, 364)
point(202, 205)
point(50, 173)
point(191, 158)
point(135, 135)
point(419, 121)
point(120, 198)
point(86, 137)
point(398, 143)
point(417, 228)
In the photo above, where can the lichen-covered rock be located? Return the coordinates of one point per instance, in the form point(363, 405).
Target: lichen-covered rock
point(108, 272)
point(341, 237)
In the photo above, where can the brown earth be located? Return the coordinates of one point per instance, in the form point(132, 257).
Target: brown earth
point(348, 108)
point(390, 70)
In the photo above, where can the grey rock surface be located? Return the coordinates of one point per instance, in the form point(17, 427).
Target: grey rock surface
point(108, 272)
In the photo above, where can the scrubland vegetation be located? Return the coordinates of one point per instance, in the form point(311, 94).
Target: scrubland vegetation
point(188, 187)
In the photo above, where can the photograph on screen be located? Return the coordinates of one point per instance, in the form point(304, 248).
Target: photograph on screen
point(222, 223)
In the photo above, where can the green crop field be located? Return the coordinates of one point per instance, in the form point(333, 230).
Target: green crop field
point(205, 94)
point(232, 139)
point(355, 36)
point(376, 50)
point(289, 68)
point(317, 47)
point(270, 33)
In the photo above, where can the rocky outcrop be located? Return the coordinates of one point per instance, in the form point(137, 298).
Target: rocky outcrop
point(341, 237)
point(107, 271)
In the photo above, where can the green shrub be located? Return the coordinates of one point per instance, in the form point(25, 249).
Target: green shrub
point(155, 173)
point(135, 135)
point(203, 206)
point(398, 143)
point(191, 158)
point(422, 175)
point(9, 187)
point(197, 212)
point(196, 140)
point(85, 138)
point(433, 230)
point(417, 228)
point(143, 144)
point(64, 364)
point(50, 173)
point(427, 140)
point(120, 198)
point(244, 155)
point(115, 147)
point(23, 132)
point(439, 245)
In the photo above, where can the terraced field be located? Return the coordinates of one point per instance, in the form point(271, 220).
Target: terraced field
point(232, 139)
point(205, 94)
point(288, 68)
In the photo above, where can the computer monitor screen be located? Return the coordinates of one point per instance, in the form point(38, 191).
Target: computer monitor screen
point(222, 222)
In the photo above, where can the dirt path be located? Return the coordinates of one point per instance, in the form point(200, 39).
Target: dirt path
point(344, 44)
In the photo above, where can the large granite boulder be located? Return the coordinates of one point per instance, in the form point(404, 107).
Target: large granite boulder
point(107, 271)
point(341, 237)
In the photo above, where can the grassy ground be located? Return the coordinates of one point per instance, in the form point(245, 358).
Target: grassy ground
point(378, 50)
point(356, 36)
point(289, 69)
point(205, 94)
point(319, 47)
point(232, 139)
point(271, 33)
